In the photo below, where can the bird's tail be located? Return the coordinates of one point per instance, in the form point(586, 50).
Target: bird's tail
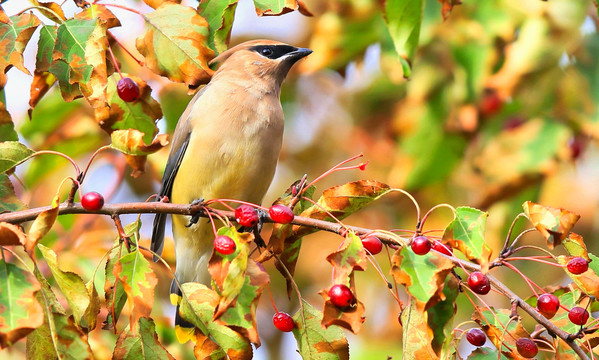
point(183, 328)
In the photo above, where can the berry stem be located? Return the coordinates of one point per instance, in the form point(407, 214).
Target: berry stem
point(419, 230)
point(326, 211)
point(122, 46)
point(414, 202)
point(509, 233)
point(528, 281)
point(126, 8)
point(114, 62)
point(533, 259)
point(206, 209)
point(336, 168)
point(387, 283)
point(222, 201)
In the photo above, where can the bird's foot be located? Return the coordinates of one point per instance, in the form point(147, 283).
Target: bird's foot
point(195, 217)
point(256, 229)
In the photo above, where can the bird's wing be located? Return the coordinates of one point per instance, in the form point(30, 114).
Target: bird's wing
point(178, 148)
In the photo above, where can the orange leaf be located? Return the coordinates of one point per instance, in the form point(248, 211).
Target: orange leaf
point(42, 225)
point(554, 224)
point(11, 234)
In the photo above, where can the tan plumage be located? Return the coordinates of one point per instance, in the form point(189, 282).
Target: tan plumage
point(226, 145)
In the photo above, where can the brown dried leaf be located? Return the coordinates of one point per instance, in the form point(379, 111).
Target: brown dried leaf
point(272, 8)
point(350, 318)
point(554, 224)
point(42, 225)
point(96, 11)
point(11, 234)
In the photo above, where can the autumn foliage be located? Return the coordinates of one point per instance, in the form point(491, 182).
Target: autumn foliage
point(491, 105)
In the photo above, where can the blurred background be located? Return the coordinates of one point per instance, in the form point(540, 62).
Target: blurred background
point(501, 108)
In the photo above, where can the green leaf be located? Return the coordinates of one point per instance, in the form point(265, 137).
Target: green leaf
point(485, 353)
point(243, 314)
point(422, 275)
point(140, 115)
point(45, 47)
point(404, 18)
point(114, 293)
point(7, 127)
point(12, 153)
point(219, 15)
point(48, 294)
point(20, 312)
point(14, 36)
point(42, 78)
point(199, 310)
point(143, 345)
point(496, 323)
point(314, 342)
point(69, 341)
point(134, 272)
point(440, 315)
point(466, 233)
point(575, 246)
point(81, 45)
point(182, 33)
point(8, 199)
point(71, 285)
point(568, 300)
point(174, 100)
point(432, 151)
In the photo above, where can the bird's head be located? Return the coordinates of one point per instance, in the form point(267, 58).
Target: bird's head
point(260, 59)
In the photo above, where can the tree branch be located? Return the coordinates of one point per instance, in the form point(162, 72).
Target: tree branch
point(386, 237)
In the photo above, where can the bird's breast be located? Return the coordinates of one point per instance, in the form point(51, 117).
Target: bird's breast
point(233, 150)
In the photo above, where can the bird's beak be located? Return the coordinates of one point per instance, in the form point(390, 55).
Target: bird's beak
point(297, 54)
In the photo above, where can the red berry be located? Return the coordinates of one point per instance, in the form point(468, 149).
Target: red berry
point(127, 89)
point(224, 245)
point(476, 337)
point(548, 304)
point(421, 245)
point(578, 265)
point(578, 315)
point(576, 145)
point(479, 283)
point(92, 201)
point(341, 296)
point(442, 248)
point(372, 244)
point(513, 123)
point(283, 322)
point(490, 103)
point(527, 348)
point(246, 216)
point(281, 214)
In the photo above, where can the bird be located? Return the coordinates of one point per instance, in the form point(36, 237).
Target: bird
point(225, 146)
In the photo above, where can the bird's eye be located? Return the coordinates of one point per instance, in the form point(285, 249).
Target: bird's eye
point(266, 52)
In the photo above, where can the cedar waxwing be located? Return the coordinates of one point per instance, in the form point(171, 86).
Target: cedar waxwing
point(226, 145)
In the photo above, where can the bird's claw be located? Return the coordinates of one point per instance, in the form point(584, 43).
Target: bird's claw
point(195, 217)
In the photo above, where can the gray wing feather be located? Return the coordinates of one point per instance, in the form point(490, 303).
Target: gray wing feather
point(178, 148)
point(172, 166)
